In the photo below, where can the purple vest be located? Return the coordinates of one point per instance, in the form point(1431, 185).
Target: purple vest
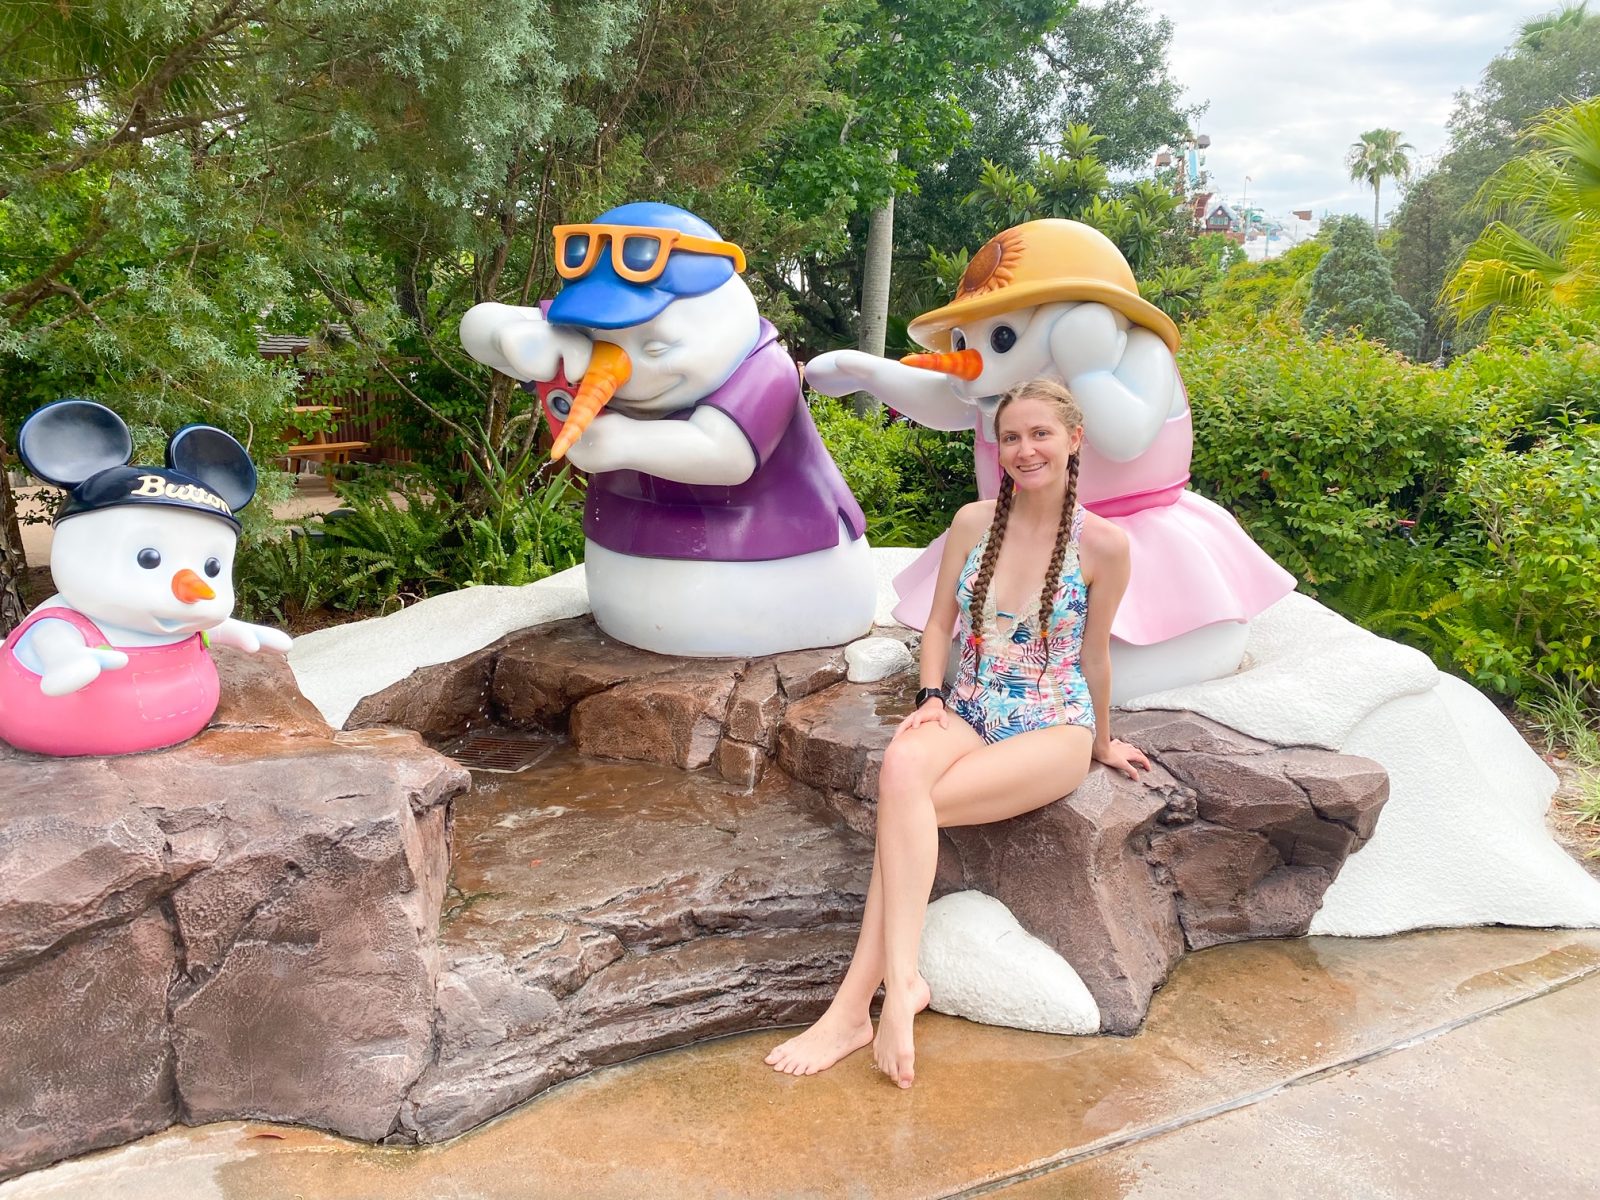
point(791, 505)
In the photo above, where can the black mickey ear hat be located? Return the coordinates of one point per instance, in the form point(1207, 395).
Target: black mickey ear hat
point(84, 447)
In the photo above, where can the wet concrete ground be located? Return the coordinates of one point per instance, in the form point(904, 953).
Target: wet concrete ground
point(1462, 1063)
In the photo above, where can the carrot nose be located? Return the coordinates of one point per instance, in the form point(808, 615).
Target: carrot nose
point(609, 369)
point(963, 364)
point(190, 588)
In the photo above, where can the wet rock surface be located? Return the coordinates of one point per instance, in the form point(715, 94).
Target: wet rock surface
point(242, 925)
point(600, 911)
point(260, 923)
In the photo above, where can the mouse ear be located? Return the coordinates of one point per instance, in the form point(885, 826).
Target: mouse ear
point(66, 442)
point(216, 460)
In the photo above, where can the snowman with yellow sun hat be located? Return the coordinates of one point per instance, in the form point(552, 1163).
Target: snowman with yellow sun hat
point(1056, 299)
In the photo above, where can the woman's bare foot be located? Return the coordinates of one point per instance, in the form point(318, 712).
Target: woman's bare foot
point(833, 1037)
point(893, 1049)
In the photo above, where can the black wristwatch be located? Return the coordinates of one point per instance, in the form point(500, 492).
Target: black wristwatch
point(926, 694)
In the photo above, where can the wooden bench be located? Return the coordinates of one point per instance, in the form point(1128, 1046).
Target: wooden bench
point(316, 447)
point(329, 453)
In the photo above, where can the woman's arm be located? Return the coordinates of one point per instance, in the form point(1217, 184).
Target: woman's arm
point(965, 530)
point(1105, 569)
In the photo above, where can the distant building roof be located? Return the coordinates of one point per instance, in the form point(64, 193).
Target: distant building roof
point(290, 345)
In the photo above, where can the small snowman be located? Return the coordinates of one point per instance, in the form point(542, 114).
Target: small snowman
point(715, 523)
point(116, 662)
point(1056, 299)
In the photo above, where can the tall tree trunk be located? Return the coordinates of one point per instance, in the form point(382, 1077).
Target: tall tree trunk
point(1377, 180)
point(875, 292)
point(12, 560)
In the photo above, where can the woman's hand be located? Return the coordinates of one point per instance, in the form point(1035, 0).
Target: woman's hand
point(1122, 756)
point(931, 710)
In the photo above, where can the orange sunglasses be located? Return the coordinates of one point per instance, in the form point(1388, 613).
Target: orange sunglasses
point(639, 253)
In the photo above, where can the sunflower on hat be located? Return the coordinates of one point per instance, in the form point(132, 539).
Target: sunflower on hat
point(1039, 262)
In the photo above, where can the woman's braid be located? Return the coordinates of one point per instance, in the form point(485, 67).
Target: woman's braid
point(1052, 576)
point(991, 555)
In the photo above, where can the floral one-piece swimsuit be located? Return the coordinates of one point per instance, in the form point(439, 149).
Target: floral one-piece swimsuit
point(1009, 688)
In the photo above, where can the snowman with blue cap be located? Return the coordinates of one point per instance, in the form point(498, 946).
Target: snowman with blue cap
point(716, 524)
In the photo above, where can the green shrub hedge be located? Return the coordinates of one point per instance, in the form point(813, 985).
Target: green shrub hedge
point(1456, 508)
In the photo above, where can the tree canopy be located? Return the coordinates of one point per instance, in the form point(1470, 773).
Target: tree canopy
point(1352, 290)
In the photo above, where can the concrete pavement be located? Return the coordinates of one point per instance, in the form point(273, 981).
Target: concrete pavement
point(1462, 1062)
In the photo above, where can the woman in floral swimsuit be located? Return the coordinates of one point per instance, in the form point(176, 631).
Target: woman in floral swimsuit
point(1033, 581)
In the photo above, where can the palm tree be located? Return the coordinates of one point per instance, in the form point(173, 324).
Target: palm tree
point(1379, 155)
point(1545, 247)
point(1534, 31)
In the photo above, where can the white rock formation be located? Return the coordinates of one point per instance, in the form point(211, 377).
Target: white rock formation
point(338, 667)
point(875, 658)
point(982, 965)
point(1462, 839)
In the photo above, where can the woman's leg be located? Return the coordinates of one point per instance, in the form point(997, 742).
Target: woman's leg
point(847, 1025)
point(989, 783)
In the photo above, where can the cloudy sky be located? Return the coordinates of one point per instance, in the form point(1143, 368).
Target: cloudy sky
point(1291, 85)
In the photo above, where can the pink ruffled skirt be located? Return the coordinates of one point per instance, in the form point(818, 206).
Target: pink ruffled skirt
point(1191, 565)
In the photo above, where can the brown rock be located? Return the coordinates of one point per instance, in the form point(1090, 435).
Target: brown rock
point(675, 717)
point(280, 894)
point(605, 910)
point(440, 702)
point(1241, 791)
point(259, 692)
point(834, 741)
point(244, 925)
point(74, 855)
point(1074, 875)
point(757, 705)
point(83, 1039)
point(1159, 732)
point(543, 673)
point(1342, 788)
point(739, 763)
point(804, 672)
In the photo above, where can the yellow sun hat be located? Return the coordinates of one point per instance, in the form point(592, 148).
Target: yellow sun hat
point(1036, 263)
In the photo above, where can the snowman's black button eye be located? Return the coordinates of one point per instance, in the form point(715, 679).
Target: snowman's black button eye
point(958, 340)
point(213, 567)
point(1003, 338)
point(149, 559)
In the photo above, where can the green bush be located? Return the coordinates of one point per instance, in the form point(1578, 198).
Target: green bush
point(1322, 448)
point(908, 480)
point(1455, 509)
point(1529, 554)
point(382, 552)
point(1249, 292)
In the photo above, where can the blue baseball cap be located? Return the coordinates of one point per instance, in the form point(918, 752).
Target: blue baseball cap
point(604, 300)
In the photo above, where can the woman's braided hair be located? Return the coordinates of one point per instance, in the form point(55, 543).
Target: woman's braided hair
point(1071, 416)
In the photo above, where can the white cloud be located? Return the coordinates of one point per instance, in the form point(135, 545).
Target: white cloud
point(1291, 86)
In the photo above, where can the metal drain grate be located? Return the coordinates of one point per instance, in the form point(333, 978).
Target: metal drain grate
point(506, 753)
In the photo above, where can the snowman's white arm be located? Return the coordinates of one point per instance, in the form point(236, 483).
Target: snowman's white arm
point(68, 664)
point(927, 397)
point(708, 448)
point(519, 342)
point(250, 638)
point(1125, 408)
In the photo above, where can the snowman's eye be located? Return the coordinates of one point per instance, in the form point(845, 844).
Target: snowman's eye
point(149, 559)
point(958, 340)
point(213, 568)
point(1003, 338)
point(560, 403)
